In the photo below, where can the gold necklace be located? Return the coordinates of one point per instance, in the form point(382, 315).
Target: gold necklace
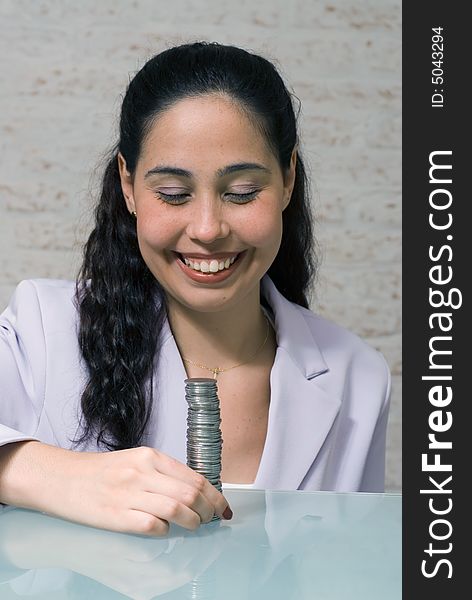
point(217, 370)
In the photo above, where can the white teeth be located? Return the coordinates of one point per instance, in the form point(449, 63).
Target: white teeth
point(210, 267)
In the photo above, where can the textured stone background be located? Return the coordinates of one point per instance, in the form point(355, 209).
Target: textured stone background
point(64, 66)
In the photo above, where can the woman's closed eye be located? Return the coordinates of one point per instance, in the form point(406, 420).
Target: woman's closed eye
point(242, 198)
point(237, 198)
point(172, 198)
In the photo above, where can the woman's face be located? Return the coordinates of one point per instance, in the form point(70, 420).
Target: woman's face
point(209, 197)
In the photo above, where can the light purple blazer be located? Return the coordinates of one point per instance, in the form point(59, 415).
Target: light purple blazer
point(329, 391)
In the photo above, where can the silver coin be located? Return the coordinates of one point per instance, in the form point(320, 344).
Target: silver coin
point(200, 432)
point(205, 444)
point(204, 441)
point(203, 457)
point(204, 460)
point(210, 416)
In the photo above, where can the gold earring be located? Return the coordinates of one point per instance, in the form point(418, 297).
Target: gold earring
point(134, 213)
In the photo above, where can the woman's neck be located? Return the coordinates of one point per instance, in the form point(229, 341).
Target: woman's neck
point(219, 339)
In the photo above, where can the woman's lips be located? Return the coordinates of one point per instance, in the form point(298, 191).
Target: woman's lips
point(200, 277)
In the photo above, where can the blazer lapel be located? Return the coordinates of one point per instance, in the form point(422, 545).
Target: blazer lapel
point(301, 415)
point(301, 411)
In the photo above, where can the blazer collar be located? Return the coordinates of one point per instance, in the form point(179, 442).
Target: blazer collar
point(293, 333)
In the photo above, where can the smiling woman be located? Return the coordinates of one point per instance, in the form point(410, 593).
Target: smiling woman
point(211, 207)
point(201, 259)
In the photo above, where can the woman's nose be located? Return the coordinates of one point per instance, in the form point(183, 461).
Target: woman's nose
point(207, 222)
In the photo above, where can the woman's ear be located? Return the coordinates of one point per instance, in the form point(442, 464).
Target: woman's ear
point(290, 178)
point(126, 183)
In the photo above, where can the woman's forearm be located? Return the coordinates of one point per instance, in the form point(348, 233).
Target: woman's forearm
point(34, 475)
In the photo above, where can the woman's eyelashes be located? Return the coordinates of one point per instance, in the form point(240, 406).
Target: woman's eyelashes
point(172, 198)
point(243, 198)
point(240, 198)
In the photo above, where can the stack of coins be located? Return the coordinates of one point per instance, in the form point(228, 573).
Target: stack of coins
point(204, 442)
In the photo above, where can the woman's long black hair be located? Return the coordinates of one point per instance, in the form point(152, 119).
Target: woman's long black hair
point(122, 307)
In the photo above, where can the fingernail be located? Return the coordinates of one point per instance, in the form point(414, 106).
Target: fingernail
point(228, 513)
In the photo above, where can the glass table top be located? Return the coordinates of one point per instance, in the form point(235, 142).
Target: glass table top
point(279, 545)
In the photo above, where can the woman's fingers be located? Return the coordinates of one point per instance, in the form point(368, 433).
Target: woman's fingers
point(173, 468)
point(158, 484)
point(166, 509)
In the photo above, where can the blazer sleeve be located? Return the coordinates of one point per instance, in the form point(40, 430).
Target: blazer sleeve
point(22, 366)
point(373, 478)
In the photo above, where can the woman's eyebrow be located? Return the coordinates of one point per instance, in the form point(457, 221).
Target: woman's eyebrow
point(167, 170)
point(245, 166)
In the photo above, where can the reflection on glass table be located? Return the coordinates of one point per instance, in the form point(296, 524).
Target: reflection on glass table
point(279, 545)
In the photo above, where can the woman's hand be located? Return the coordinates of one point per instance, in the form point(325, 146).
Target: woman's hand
point(140, 490)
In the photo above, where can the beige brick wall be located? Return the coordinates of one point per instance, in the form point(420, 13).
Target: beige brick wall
point(64, 65)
